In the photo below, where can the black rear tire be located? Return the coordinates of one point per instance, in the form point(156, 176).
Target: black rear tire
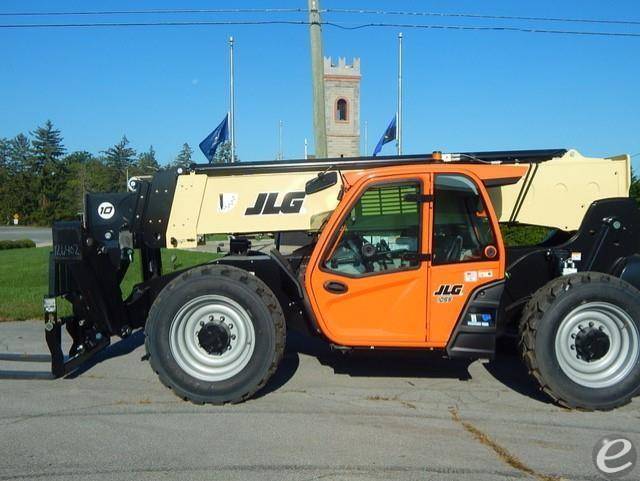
point(542, 327)
point(238, 288)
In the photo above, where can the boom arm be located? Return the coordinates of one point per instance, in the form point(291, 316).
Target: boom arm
point(558, 192)
point(271, 197)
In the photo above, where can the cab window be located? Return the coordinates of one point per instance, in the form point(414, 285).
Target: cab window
point(462, 228)
point(380, 234)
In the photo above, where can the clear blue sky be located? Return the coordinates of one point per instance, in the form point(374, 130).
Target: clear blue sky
point(163, 86)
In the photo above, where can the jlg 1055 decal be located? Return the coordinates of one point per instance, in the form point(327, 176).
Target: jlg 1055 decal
point(446, 292)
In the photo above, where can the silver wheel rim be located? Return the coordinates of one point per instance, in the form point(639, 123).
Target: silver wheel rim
point(195, 360)
point(619, 360)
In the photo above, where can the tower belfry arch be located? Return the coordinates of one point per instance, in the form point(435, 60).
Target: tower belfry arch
point(342, 107)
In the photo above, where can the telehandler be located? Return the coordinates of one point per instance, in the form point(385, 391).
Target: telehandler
point(403, 253)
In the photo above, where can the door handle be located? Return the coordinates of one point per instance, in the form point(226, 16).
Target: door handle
point(336, 287)
point(415, 256)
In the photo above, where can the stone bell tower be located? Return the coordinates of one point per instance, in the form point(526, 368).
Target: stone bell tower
point(342, 109)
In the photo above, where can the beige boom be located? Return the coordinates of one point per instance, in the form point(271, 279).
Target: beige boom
point(555, 193)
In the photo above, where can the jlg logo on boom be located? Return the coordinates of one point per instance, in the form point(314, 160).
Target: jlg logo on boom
point(266, 204)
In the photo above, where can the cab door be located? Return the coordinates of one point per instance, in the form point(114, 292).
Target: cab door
point(368, 279)
point(467, 253)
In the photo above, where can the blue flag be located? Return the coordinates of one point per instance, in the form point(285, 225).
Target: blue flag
point(388, 136)
point(211, 143)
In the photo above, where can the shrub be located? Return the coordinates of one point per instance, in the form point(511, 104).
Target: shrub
point(523, 235)
point(16, 244)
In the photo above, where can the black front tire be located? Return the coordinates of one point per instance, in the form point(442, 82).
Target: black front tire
point(541, 323)
point(254, 297)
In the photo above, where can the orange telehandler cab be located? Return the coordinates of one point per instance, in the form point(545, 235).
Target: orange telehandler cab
point(402, 252)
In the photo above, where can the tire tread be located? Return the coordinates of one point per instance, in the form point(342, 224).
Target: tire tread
point(253, 283)
point(532, 316)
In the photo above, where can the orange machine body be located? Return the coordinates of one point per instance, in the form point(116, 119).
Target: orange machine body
point(403, 308)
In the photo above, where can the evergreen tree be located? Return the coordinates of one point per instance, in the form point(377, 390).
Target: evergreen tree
point(5, 178)
point(47, 146)
point(99, 176)
point(50, 171)
point(634, 191)
point(223, 154)
point(147, 163)
point(183, 159)
point(23, 187)
point(20, 154)
point(76, 186)
point(119, 160)
point(5, 150)
point(78, 157)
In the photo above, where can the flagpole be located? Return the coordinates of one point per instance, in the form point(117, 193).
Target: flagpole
point(232, 103)
point(399, 118)
point(280, 154)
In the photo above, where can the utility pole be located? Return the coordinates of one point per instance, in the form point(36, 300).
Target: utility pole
point(280, 153)
point(306, 148)
point(317, 75)
point(232, 104)
point(399, 119)
point(366, 138)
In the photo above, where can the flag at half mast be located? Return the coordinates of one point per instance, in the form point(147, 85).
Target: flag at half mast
point(220, 134)
point(388, 136)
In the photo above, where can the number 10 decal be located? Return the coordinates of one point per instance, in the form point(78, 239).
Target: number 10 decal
point(106, 210)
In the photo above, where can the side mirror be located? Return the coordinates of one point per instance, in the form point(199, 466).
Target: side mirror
point(321, 182)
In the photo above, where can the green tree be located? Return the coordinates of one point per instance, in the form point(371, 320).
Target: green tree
point(5, 175)
point(184, 157)
point(47, 146)
point(223, 154)
point(21, 153)
point(147, 163)
point(634, 191)
point(50, 171)
point(78, 183)
point(98, 176)
point(5, 150)
point(22, 191)
point(119, 159)
point(79, 157)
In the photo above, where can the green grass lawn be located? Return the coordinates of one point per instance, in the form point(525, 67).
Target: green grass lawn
point(24, 279)
point(216, 237)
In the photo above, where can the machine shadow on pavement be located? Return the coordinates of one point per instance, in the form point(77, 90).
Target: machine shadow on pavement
point(121, 348)
point(286, 370)
point(506, 368)
point(379, 363)
point(510, 371)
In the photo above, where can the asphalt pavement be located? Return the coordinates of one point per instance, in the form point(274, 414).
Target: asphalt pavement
point(323, 416)
point(40, 235)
